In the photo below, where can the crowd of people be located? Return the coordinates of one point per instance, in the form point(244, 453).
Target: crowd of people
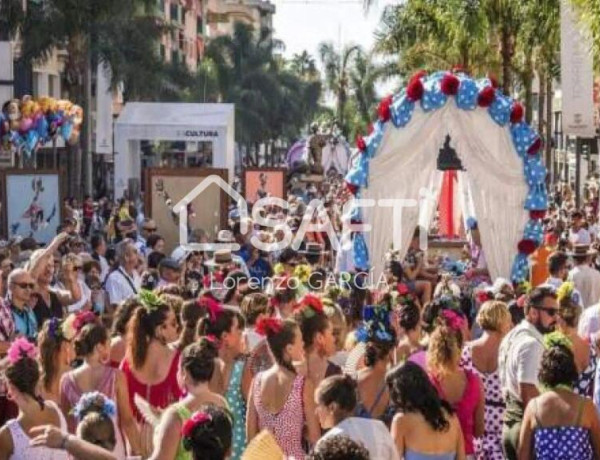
point(112, 347)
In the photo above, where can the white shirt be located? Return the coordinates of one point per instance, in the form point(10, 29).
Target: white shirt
point(372, 434)
point(104, 267)
point(520, 357)
point(587, 282)
point(86, 296)
point(589, 322)
point(120, 286)
point(582, 236)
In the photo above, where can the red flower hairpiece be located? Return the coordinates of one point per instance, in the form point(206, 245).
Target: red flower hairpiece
point(269, 326)
point(453, 320)
point(402, 289)
point(313, 302)
point(213, 307)
point(483, 296)
point(199, 418)
point(82, 318)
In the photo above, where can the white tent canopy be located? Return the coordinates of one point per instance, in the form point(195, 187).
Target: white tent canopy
point(171, 122)
point(406, 163)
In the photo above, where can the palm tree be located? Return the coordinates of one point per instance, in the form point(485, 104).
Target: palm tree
point(11, 17)
point(303, 64)
point(589, 14)
point(336, 65)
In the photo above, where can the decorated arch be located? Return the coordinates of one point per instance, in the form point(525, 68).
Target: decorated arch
point(501, 154)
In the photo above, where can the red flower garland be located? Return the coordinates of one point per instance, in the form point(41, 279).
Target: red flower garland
point(486, 96)
point(415, 89)
point(449, 84)
point(537, 214)
point(383, 111)
point(526, 247)
point(517, 112)
point(535, 147)
point(352, 188)
point(360, 143)
point(269, 326)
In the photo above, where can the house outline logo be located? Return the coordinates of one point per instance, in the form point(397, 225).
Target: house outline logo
point(181, 208)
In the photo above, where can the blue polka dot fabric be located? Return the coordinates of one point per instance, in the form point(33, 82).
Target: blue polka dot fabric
point(359, 174)
point(534, 231)
point(523, 137)
point(402, 110)
point(563, 443)
point(537, 198)
point(433, 98)
point(535, 171)
point(466, 99)
point(520, 268)
point(500, 109)
point(361, 253)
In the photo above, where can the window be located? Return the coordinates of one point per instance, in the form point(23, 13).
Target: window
point(174, 10)
point(199, 26)
point(161, 7)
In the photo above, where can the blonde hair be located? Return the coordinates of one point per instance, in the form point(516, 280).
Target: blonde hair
point(445, 346)
point(253, 305)
point(492, 314)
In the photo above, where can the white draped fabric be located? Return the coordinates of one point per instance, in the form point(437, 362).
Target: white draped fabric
point(336, 156)
point(406, 162)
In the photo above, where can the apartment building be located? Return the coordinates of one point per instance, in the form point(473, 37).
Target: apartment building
point(221, 15)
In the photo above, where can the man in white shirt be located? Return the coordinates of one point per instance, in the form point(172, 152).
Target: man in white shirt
point(519, 360)
point(578, 234)
point(124, 282)
point(585, 278)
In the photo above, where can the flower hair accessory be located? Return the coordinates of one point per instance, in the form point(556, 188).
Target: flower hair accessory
point(82, 318)
point(212, 306)
point(567, 291)
point(68, 327)
point(198, 419)
point(269, 326)
point(376, 325)
point(55, 329)
point(96, 401)
point(453, 320)
point(149, 300)
point(557, 339)
point(310, 305)
point(483, 296)
point(20, 349)
point(302, 272)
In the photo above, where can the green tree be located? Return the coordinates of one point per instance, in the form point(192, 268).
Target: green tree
point(336, 66)
point(589, 14)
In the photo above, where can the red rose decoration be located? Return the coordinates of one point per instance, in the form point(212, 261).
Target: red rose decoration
point(537, 215)
point(516, 113)
point(198, 418)
point(415, 89)
point(313, 302)
point(352, 188)
point(526, 247)
point(486, 96)
point(403, 289)
point(360, 143)
point(383, 111)
point(535, 147)
point(483, 296)
point(449, 84)
point(269, 326)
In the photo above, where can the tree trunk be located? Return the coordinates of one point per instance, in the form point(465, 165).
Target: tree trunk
point(549, 147)
point(541, 101)
point(506, 53)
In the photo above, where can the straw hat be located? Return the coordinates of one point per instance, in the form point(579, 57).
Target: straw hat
point(220, 257)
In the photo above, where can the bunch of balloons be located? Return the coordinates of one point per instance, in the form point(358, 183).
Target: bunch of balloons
point(29, 123)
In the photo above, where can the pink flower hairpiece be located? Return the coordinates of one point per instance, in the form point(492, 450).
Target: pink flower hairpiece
point(83, 318)
point(21, 348)
point(454, 321)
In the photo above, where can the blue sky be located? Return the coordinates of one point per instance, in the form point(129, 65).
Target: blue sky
point(302, 25)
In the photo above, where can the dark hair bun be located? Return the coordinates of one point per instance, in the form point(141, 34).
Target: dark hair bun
point(89, 336)
point(198, 359)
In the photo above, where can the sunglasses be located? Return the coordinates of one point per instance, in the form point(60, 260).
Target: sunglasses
point(25, 285)
point(548, 310)
point(150, 230)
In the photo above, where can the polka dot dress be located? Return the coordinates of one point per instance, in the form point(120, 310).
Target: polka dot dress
point(585, 382)
point(236, 402)
point(488, 447)
point(563, 443)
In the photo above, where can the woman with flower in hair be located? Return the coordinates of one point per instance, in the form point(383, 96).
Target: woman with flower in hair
point(281, 400)
point(150, 364)
point(233, 375)
point(56, 353)
point(118, 343)
point(379, 338)
point(584, 352)
point(196, 369)
point(409, 321)
point(319, 342)
point(92, 344)
point(481, 357)
point(207, 434)
point(559, 424)
point(461, 388)
point(95, 414)
point(22, 376)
